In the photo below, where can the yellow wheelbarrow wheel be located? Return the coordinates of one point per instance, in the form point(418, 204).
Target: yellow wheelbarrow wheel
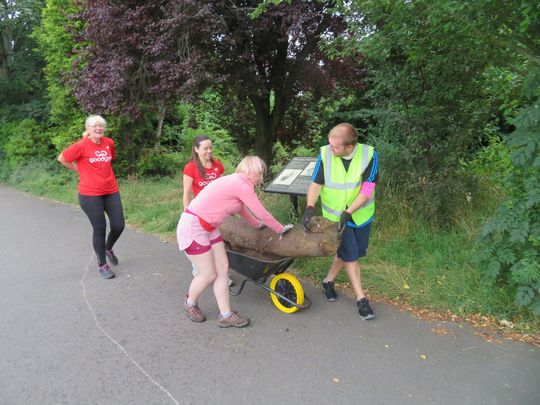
point(288, 286)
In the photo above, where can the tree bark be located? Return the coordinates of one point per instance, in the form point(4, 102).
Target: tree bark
point(320, 241)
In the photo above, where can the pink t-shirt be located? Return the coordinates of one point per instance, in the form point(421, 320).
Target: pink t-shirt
point(228, 195)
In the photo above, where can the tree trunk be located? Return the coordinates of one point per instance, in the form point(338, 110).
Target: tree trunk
point(320, 241)
point(162, 109)
point(6, 49)
point(264, 140)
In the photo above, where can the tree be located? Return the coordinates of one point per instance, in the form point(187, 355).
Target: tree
point(509, 245)
point(136, 58)
point(56, 44)
point(266, 61)
point(21, 82)
point(144, 55)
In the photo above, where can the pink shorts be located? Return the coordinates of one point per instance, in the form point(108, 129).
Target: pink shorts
point(192, 238)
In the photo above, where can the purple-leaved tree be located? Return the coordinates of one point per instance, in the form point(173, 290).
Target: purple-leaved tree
point(137, 56)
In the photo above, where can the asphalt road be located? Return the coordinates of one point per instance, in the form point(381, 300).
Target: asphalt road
point(69, 337)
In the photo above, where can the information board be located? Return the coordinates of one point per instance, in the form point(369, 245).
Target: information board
point(295, 177)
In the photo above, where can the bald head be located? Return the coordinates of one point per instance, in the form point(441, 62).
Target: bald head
point(345, 133)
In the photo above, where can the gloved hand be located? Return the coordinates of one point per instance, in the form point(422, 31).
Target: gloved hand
point(342, 224)
point(286, 229)
point(308, 214)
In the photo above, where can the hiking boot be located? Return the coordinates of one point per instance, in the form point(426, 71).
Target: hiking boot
point(232, 320)
point(194, 312)
point(364, 309)
point(111, 257)
point(105, 271)
point(329, 291)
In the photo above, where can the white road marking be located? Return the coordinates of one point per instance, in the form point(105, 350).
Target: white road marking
point(106, 334)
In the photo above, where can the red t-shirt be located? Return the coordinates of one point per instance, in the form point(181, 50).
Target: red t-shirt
point(199, 182)
point(96, 176)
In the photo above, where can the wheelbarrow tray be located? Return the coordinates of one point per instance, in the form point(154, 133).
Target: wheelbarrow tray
point(255, 266)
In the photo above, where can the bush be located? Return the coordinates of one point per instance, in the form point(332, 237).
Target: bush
point(25, 140)
point(284, 154)
point(159, 162)
point(509, 246)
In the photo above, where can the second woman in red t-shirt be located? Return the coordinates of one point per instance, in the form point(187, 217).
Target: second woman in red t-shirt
point(201, 170)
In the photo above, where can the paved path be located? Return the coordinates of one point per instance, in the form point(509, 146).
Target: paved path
point(69, 337)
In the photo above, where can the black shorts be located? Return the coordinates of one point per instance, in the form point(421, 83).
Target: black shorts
point(354, 244)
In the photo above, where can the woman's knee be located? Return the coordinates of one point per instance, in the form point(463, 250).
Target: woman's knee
point(209, 277)
point(223, 269)
point(118, 226)
point(99, 228)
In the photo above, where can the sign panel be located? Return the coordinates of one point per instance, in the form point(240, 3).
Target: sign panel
point(295, 177)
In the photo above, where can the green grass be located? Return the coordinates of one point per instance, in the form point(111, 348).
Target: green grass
point(408, 260)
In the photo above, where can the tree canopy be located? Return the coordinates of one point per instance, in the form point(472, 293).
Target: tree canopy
point(146, 55)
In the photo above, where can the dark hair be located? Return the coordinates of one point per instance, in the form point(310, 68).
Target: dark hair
point(195, 157)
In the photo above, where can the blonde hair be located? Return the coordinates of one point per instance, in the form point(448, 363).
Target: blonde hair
point(93, 120)
point(251, 166)
point(347, 132)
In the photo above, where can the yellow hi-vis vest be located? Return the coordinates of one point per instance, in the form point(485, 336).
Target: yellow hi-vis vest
point(341, 187)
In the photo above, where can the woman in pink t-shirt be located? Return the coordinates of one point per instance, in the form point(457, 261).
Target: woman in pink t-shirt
point(201, 170)
point(198, 235)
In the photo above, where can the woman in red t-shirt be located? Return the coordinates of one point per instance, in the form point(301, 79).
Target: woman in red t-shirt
point(91, 157)
point(201, 170)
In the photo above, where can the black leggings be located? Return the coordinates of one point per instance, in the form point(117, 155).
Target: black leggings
point(95, 208)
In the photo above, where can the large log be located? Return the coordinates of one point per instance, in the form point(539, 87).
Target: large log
point(320, 241)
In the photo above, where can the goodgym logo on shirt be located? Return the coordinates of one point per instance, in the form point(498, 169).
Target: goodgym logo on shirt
point(210, 177)
point(101, 157)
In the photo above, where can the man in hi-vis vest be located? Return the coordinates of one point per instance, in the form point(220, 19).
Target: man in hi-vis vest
point(344, 177)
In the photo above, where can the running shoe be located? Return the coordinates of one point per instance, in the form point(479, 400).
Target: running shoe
point(106, 272)
point(364, 309)
point(234, 320)
point(111, 257)
point(329, 291)
point(194, 312)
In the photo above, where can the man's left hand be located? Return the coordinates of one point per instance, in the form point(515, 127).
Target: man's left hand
point(342, 224)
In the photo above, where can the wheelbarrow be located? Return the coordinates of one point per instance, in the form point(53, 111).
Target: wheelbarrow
point(285, 290)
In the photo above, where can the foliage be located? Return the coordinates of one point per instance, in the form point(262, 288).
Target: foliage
point(158, 162)
point(139, 55)
point(56, 43)
point(23, 140)
point(426, 105)
point(45, 178)
point(203, 118)
point(144, 56)
point(509, 245)
point(21, 81)
point(491, 162)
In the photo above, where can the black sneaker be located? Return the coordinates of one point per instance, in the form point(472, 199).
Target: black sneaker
point(111, 257)
point(364, 309)
point(329, 291)
point(105, 271)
